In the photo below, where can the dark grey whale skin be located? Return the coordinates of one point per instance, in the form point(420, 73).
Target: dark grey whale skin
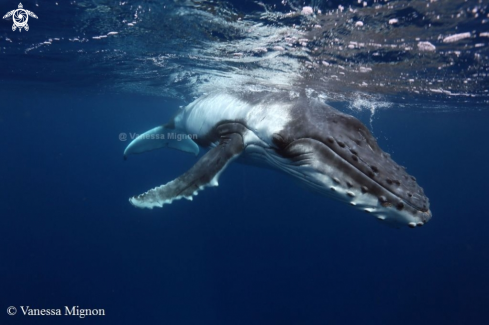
point(328, 130)
point(340, 140)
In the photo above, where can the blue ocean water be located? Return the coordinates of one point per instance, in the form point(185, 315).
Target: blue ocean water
point(258, 249)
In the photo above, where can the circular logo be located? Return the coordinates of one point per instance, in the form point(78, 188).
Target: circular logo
point(20, 18)
point(11, 310)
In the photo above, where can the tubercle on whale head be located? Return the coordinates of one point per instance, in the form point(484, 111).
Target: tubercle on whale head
point(349, 165)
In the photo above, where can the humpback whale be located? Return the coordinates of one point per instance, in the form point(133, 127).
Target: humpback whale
point(331, 152)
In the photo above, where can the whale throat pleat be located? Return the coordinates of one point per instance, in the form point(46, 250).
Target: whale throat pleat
point(204, 173)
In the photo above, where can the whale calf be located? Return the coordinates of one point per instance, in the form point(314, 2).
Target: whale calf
point(331, 152)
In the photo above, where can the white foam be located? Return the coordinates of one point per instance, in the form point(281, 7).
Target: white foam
point(307, 11)
point(456, 37)
point(426, 46)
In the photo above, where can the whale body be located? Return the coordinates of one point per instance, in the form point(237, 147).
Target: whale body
point(331, 152)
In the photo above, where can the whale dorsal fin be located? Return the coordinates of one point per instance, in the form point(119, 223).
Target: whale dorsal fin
point(204, 173)
point(165, 136)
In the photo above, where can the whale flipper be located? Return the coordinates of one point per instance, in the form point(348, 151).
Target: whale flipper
point(204, 173)
point(161, 137)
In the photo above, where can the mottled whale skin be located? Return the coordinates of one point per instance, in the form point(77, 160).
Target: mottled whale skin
point(331, 152)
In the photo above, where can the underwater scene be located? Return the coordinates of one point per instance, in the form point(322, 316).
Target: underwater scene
point(244, 162)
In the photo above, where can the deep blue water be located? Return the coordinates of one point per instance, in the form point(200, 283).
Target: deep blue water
point(255, 250)
point(258, 249)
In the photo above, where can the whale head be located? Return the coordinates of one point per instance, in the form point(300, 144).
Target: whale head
point(335, 154)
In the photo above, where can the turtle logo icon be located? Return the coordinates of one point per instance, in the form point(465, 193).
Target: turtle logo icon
point(20, 17)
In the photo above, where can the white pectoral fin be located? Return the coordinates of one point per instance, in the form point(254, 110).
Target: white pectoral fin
point(161, 137)
point(204, 173)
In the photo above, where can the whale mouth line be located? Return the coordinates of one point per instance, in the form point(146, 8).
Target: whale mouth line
point(363, 173)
